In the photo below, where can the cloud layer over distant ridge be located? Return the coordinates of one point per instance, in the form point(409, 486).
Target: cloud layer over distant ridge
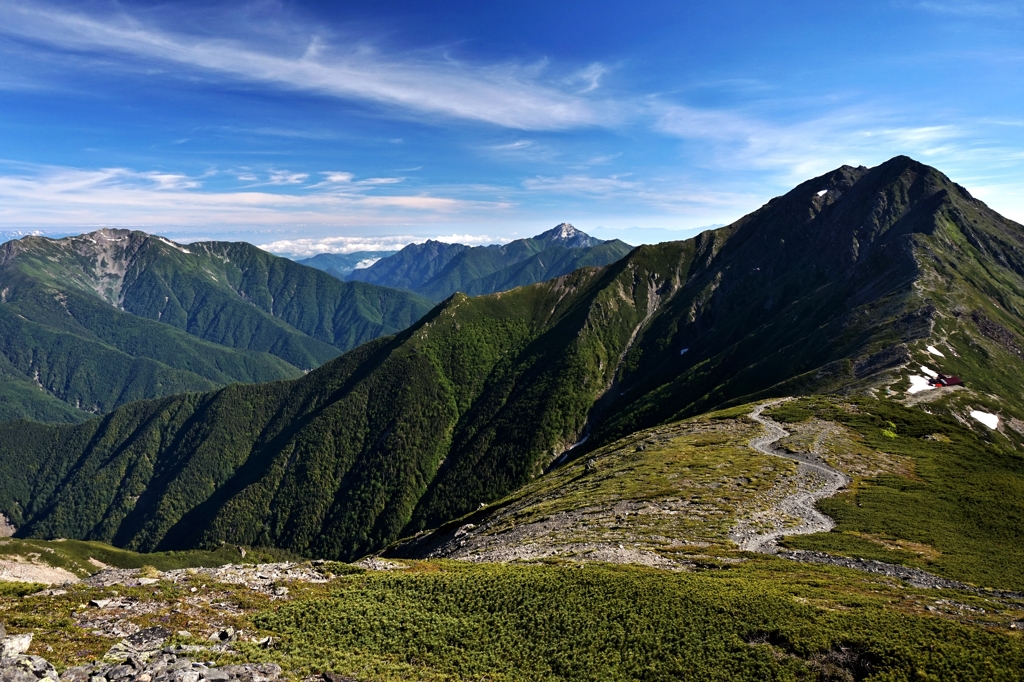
point(304, 247)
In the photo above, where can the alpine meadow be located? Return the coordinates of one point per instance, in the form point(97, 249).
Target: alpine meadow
point(551, 342)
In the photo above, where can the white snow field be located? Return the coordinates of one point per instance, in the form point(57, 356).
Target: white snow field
point(918, 384)
point(989, 420)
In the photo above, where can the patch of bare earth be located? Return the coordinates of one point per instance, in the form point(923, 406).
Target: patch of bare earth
point(22, 570)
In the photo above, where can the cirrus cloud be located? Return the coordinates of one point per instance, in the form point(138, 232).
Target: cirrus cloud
point(61, 197)
point(505, 94)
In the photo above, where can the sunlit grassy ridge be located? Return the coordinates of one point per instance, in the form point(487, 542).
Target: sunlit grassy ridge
point(964, 500)
point(927, 492)
point(674, 489)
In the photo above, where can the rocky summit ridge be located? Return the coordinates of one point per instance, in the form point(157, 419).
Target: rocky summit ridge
point(568, 236)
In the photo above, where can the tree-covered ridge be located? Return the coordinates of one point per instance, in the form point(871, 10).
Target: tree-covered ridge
point(98, 320)
point(341, 461)
point(816, 292)
point(438, 270)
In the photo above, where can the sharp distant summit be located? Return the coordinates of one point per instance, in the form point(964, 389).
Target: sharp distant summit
point(568, 236)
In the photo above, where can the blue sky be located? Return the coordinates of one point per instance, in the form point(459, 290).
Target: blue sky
point(360, 125)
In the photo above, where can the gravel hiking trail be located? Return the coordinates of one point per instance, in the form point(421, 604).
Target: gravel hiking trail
point(815, 480)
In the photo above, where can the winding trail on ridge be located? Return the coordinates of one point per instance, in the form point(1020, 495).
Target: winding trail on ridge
point(815, 481)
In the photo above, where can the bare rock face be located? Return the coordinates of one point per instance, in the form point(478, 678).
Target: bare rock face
point(15, 645)
point(143, 645)
point(7, 529)
point(16, 666)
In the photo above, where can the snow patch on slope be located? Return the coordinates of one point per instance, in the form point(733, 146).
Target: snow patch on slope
point(986, 418)
point(172, 244)
point(918, 384)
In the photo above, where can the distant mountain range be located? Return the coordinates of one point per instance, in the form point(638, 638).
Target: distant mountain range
point(437, 270)
point(848, 283)
point(341, 265)
point(91, 322)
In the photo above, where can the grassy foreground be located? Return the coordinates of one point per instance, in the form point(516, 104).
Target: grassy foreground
point(763, 620)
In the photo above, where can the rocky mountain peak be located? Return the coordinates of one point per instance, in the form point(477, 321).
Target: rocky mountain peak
point(567, 235)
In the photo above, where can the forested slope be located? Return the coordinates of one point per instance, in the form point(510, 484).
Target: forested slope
point(102, 319)
point(834, 287)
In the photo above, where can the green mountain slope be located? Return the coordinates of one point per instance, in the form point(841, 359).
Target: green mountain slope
point(819, 291)
point(412, 267)
point(98, 320)
point(437, 270)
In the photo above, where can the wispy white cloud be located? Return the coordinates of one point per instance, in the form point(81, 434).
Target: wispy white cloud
point(32, 195)
point(589, 77)
point(809, 146)
point(379, 181)
point(522, 150)
point(344, 181)
point(661, 193)
point(337, 244)
point(507, 94)
point(278, 177)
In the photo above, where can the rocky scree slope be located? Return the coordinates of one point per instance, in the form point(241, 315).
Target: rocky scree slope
point(91, 322)
point(438, 270)
point(825, 289)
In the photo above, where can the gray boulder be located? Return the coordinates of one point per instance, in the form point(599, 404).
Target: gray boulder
point(15, 645)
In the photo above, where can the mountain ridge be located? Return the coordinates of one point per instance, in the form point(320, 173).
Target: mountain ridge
point(341, 265)
point(437, 269)
point(835, 291)
point(161, 318)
